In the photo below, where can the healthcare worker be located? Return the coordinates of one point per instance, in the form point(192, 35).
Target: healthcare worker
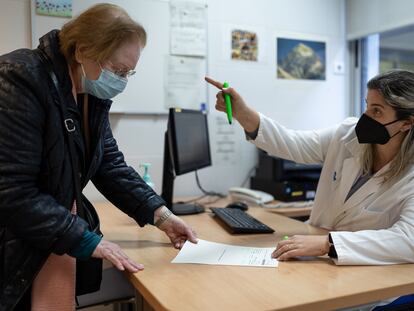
point(365, 195)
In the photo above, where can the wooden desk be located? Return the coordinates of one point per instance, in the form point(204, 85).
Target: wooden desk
point(286, 211)
point(307, 284)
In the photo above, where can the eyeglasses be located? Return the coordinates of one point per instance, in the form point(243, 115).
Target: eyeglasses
point(124, 73)
point(119, 72)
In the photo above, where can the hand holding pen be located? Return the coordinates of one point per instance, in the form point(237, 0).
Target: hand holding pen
point(227, 101)
point(247, 117)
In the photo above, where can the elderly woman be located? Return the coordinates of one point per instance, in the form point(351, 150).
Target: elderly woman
point(365, 195)
point(54, 104)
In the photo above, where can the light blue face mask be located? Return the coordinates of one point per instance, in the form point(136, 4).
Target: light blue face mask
point(107, 86)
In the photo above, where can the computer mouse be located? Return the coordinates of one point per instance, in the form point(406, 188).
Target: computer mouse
point(239, 205)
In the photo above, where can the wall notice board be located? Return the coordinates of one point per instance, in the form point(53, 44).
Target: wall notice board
point(149, 90)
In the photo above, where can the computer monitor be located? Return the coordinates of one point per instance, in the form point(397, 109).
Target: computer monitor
point(186, 149)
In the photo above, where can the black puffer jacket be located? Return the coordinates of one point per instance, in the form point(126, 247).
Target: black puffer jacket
point(36, 187)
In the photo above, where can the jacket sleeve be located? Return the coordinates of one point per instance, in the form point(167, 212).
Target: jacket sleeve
point(29, 214)
point(123, 186)
point(393, 245)
point(297, 146)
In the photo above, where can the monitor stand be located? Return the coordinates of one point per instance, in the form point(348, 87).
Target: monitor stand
point(186, 209)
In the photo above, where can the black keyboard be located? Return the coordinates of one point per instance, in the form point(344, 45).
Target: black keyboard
point(240, 222)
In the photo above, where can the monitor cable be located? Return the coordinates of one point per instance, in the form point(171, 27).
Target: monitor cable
point(249, 174)
point(205, 192)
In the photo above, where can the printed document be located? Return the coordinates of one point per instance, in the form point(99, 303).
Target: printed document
point(188, 28)
point(184, 82)
point(211, 253)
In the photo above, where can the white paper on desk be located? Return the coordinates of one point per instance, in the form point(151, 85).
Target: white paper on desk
point(211, 253)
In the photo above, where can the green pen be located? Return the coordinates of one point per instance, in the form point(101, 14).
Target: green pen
point(227, 99)
point(285, 237)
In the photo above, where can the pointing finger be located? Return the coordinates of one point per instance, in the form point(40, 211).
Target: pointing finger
point(214, 82)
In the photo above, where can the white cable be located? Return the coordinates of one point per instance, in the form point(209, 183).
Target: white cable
point(289, 204)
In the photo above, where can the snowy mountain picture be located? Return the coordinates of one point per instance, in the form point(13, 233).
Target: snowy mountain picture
point(300, 59)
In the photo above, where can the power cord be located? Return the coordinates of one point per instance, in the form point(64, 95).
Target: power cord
point(211, 193)
point(249, 174)
point(288, 204)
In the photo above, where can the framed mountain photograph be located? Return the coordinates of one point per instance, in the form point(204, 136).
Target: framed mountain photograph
point(300, 59)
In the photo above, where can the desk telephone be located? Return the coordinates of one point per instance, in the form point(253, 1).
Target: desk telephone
point(250, 196)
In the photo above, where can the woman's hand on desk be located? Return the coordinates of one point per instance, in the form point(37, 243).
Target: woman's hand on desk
point(301, 245)
point(175, 228)
point(113, 253)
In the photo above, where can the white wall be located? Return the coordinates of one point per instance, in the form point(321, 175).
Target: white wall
point(298, 104)
point(372, 16)
point(14, 25)
point(301, 104)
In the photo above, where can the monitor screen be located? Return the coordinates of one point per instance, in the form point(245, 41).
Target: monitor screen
point(189, 140)
point(186, 149)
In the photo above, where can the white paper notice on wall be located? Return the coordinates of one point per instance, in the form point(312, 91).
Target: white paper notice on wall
point(188, 28)
point(226, 144)
point(184, 82)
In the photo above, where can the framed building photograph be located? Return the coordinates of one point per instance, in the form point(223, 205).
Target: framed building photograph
point(299, 59)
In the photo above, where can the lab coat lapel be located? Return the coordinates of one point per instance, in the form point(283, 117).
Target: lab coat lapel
point(350, 168)
point(370, 187)
point(350, 171)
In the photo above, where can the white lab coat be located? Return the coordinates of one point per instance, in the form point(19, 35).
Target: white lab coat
point(375, 226)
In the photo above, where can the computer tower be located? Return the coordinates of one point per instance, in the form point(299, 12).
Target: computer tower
point(284, 179)
point(287, 191)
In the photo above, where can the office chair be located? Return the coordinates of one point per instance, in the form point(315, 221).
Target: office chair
point(403, 303)
point(115, 288)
